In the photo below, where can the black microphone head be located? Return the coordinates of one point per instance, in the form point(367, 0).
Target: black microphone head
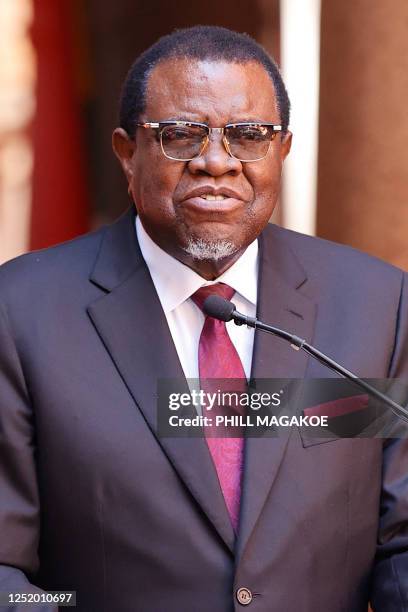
point(219, 308)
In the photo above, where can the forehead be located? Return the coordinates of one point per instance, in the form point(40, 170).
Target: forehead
point(210, 91)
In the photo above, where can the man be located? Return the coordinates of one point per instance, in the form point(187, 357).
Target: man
point(92, 499)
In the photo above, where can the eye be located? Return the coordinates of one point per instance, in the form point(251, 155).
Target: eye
point(176, 133)
point(250, 132)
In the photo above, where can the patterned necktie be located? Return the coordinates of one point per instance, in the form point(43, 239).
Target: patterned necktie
point(218, 359)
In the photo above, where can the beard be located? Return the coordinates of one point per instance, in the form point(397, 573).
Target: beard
point(210, 250)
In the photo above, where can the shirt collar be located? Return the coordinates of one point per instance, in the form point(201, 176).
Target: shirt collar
point(175, 282)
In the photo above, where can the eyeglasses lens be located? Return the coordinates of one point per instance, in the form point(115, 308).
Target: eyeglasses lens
point(183, 142)
point(249, 142)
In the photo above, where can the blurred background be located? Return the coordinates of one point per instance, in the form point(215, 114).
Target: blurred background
point(62, 63)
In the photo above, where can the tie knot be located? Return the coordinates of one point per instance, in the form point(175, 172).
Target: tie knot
point(221, 289)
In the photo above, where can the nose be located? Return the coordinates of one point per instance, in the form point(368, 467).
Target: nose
point(215, 159)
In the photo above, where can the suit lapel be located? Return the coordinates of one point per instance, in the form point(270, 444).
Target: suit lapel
point(280, 303)
point(130, 322)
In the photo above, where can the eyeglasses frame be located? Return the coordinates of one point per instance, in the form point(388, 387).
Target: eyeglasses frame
point(160, 125)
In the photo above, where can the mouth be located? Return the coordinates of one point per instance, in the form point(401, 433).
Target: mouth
point(211, 193)
point(207, 199)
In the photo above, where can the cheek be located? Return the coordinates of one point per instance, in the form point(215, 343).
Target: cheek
point(154, 183)
point(266, 183)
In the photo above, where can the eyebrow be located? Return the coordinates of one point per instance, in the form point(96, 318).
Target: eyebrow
point(183, 118)
point(246, 120)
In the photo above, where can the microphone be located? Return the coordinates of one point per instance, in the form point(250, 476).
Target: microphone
point(219, 308)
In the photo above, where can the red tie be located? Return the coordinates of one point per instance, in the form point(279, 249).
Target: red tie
point(218, 359)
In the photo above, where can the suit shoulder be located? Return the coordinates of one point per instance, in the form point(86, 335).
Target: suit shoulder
point(319, 256)
point(67, 260)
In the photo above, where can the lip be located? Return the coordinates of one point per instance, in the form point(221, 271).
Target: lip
point(211, 190)
point(212, 208)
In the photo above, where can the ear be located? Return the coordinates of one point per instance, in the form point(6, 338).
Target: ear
point(124, 148)
point(286, 144)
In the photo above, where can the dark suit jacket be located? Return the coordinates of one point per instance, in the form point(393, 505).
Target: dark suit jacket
point(92, 500)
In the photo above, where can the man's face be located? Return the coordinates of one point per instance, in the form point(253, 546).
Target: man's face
point(186, 226)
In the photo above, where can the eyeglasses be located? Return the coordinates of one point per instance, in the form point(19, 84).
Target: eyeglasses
point(185, 140)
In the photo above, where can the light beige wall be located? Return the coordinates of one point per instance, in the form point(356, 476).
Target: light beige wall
point(17, 106)
point(363, 148)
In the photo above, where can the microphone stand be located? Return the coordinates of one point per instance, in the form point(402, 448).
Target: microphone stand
point(298, 343)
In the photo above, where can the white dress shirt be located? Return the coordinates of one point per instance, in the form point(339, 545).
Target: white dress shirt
point(176, 282)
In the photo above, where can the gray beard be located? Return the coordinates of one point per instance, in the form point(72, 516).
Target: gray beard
point(209, 250)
